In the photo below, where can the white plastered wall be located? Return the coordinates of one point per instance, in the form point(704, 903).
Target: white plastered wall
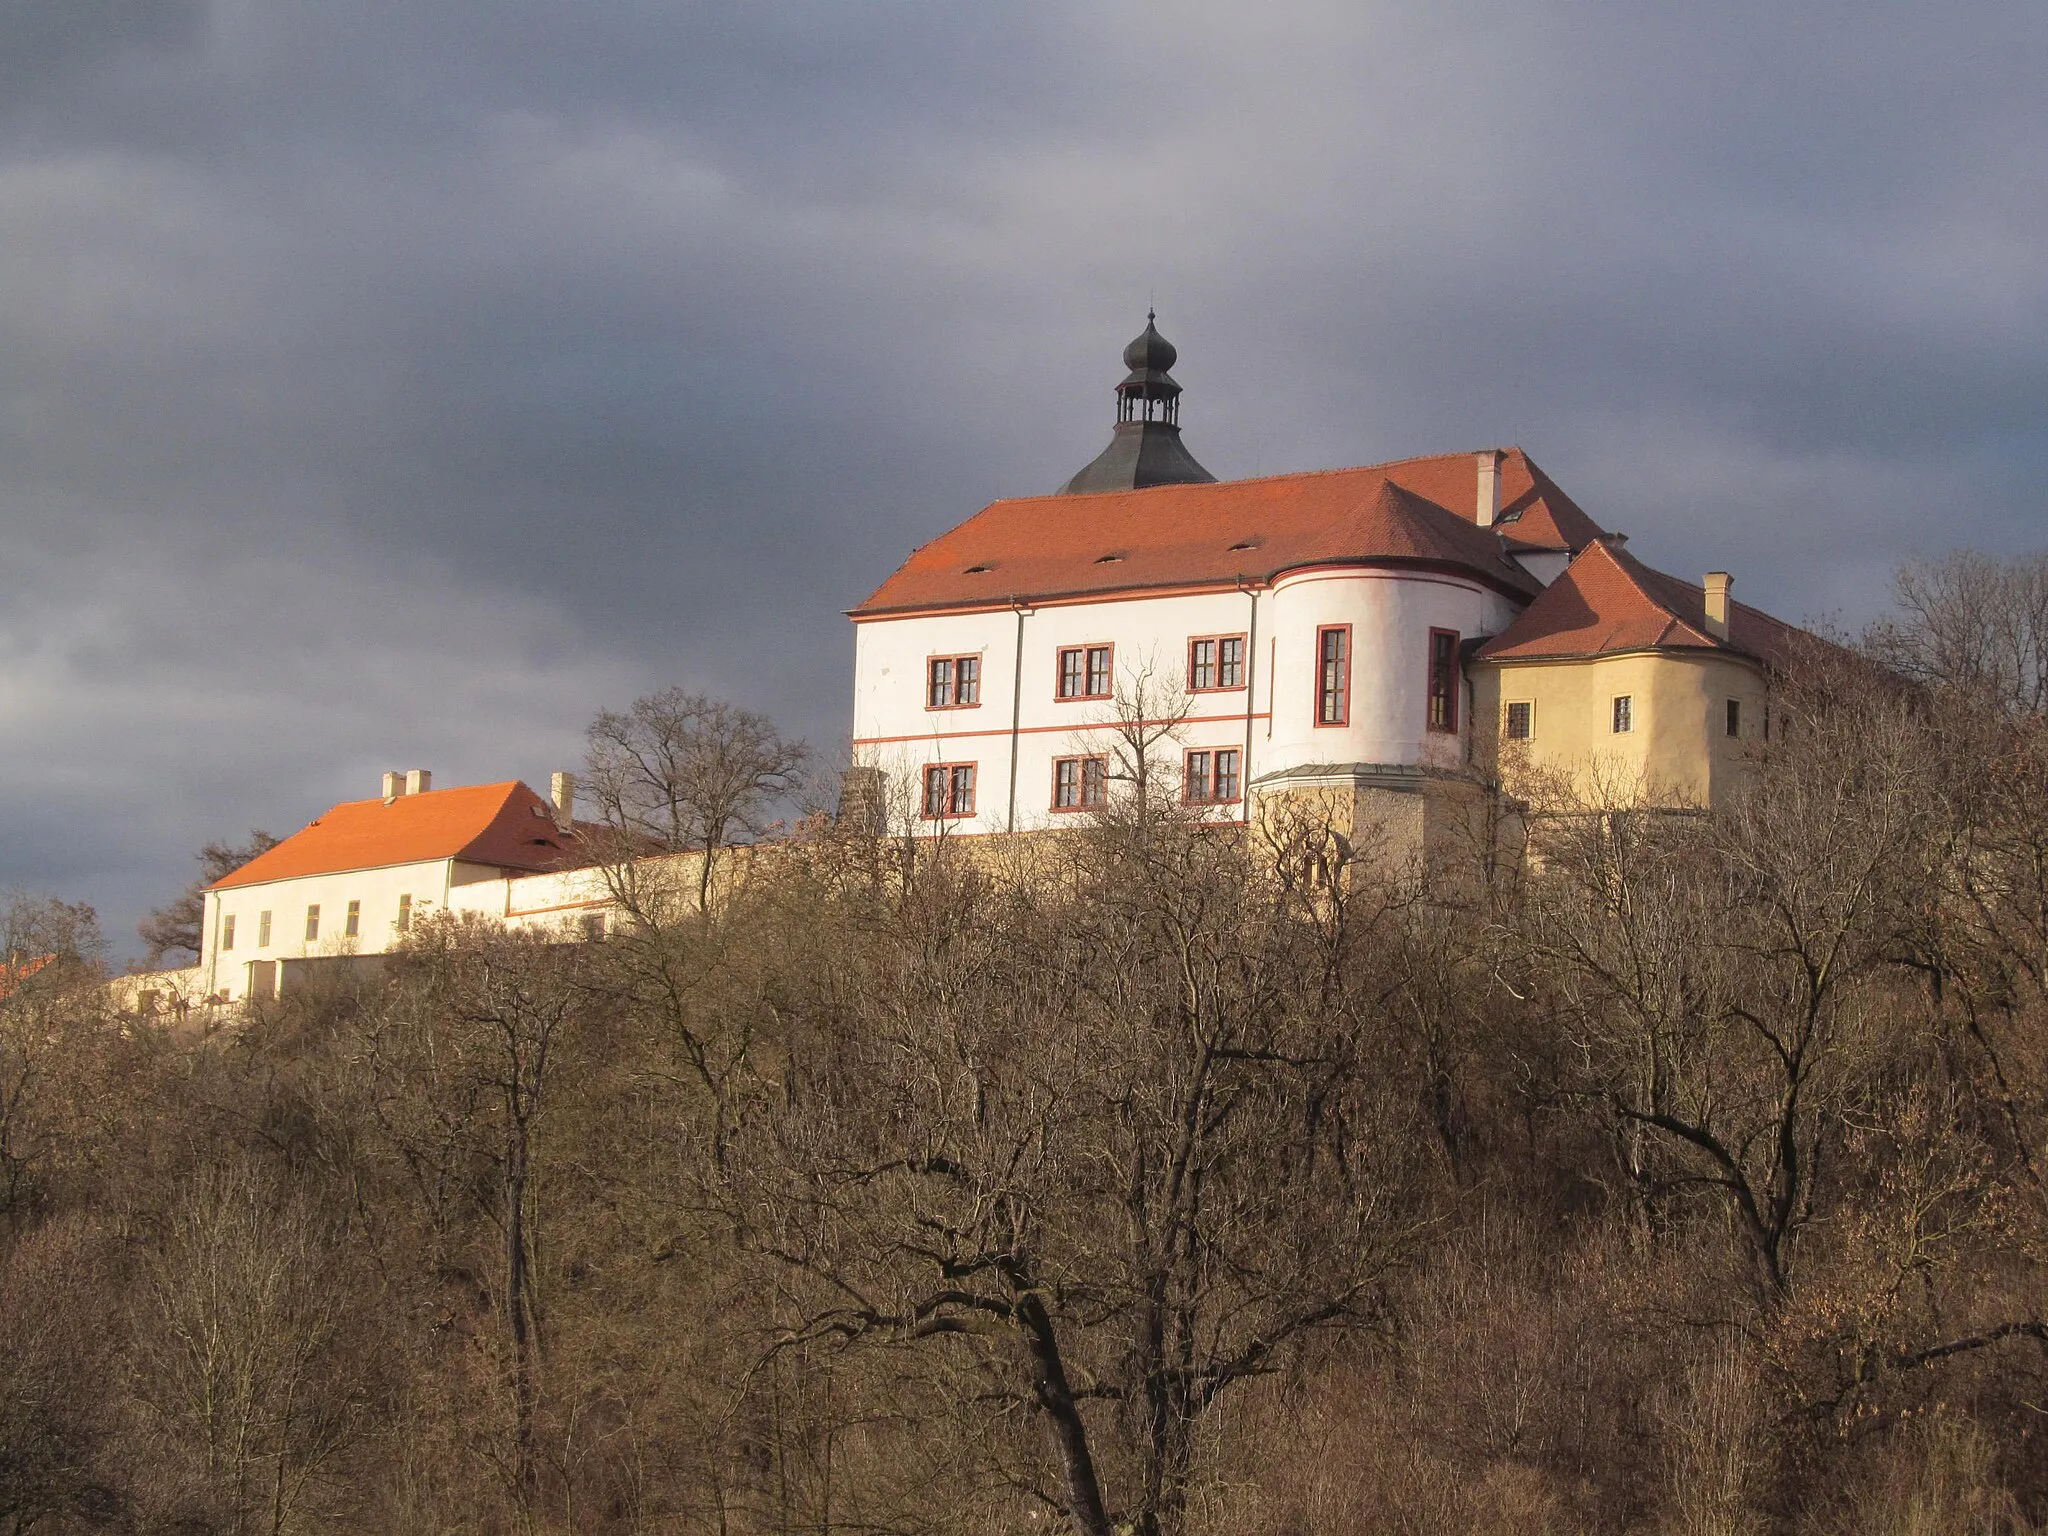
point(1391, 613)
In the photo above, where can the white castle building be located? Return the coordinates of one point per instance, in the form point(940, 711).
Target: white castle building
point(1307, 630)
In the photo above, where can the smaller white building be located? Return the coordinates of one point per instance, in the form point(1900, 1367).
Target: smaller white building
point(358, 878)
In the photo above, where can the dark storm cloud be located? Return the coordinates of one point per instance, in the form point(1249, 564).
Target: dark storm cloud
point(386, 384)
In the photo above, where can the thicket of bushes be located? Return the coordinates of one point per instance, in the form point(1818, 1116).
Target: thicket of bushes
point(1686, 1179)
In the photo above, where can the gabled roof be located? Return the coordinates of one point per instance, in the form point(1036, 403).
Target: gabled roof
point(1216, 535)
point(506, 825)
point(1607, 601)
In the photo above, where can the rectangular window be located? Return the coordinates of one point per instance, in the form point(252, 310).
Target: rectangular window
point(1333, 675)
point(262, 930)
point(948, 791)
point(1212, 776)
point(1080, 783)
point(352, 926)
point(1735, 717)
point(312, 922)
point(593, 925)
point(404, 914)
point(1084, 672)
point(1624, 713)
point(1215, 662)
point(952, 682)
point(1521, 720)
point(227, 931)
point(1443, 680)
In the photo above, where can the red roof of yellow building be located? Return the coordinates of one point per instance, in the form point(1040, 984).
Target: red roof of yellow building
point(1608, 601)
point(1415, 511)
point(506, 825)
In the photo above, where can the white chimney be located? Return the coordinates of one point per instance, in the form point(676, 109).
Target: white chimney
point(562, 790)
point(418, 781)
point(394, 786)
point(1718, 584)
point(1488, 508)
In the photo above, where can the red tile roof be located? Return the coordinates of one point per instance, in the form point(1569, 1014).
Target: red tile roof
point(1608, 601)
point(507, 825)
point(14, 972)
point(1416, 510)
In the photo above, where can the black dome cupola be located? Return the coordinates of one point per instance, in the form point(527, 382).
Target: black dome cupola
point(1150, 392)
point(1146, 449)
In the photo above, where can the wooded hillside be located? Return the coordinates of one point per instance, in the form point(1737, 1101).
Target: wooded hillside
point(1686, 1178)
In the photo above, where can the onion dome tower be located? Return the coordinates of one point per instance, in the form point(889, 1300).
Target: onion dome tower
point(1146, 449)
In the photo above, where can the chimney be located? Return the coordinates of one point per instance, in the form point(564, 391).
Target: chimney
point(1718, 586)
point(394, 786)
point(418, 781)
point(1488, 508)
point(562, 790)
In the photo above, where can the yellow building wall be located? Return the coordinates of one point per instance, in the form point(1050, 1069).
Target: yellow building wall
point(1678, 756)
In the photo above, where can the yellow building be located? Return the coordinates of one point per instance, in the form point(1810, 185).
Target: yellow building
point(1622, 685)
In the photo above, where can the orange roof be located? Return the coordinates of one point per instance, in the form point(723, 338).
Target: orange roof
point(14, 972)
point(503, 824)
point(1607, 601)
point(1216, 535)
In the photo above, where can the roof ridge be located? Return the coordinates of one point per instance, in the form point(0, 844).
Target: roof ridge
point(1291, 474)
point(446, 789)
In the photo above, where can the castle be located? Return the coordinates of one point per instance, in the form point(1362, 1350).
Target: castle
point(1370, 636)
point(1380, 638)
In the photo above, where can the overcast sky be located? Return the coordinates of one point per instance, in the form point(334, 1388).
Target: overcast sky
point(387, 384)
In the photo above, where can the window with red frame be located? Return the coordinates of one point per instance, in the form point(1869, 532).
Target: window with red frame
point(1333, 675)
point(1084, 672)
point(1080, 783)
point(952, 682)
point(948, 791)
point(1443, 680)
point(1215, 662)
point(1212, 776)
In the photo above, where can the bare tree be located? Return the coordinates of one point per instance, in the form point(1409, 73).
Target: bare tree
point(240, 1349)
point(684, 771)
point(1143, 722)
point(1103, 1156)
point(463, 1054)
point(1727, 982)
point(174, 929)
point(1972, 625)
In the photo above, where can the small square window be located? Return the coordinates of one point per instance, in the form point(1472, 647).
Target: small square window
point(1624, 713)
point(948, 791)
point(1212, 776)
point(1735, 717)
point(1215, 662)
point(952, 682)
point(1521, 720)
point(593, 925)
point(1084, 672)
point(1080, 783)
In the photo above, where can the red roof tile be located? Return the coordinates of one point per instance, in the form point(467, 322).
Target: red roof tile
point(1416, 510)
point(507, 825)
point(1608, 601)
